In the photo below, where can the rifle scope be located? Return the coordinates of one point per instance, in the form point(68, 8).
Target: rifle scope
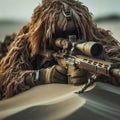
point(93, 49)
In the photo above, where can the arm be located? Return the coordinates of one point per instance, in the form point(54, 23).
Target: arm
point(17, 73)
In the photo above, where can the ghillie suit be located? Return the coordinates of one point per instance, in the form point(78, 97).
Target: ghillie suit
point(5, 43)
point(28, 63)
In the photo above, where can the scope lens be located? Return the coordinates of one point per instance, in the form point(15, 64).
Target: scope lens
point(96, 50)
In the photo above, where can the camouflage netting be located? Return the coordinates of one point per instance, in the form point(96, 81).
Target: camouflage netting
point(33, 39)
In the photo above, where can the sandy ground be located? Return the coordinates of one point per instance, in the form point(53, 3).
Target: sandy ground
point(59, 102)
point(43, 102)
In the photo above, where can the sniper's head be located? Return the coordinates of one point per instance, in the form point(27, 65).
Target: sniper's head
point(59, 18)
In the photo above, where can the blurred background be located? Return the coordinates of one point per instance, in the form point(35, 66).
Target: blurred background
point(15, 13)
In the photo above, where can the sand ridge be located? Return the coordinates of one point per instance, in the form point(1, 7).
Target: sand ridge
point(44, 95)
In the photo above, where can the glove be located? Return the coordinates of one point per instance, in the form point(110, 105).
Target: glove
point(77, 76)
point(54, 74)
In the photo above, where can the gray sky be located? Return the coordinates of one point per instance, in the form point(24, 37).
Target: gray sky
point(22, 9)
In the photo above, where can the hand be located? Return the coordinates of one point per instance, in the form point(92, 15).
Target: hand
point(77, 76)
point(59, 75)
point(54, 74)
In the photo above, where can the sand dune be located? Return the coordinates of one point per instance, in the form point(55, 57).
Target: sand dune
point(59, 102)
point(53, 100)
